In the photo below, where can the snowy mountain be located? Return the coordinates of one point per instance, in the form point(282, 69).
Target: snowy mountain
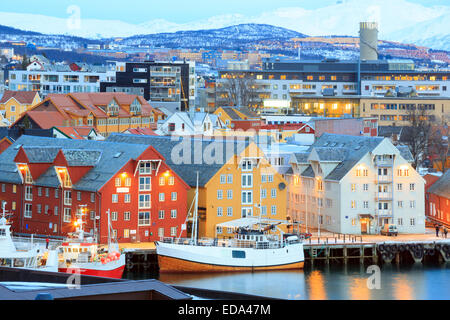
point(399, 20)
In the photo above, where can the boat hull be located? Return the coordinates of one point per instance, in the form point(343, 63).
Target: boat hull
point(113, 269)
point(187, 258)
point(112, 273)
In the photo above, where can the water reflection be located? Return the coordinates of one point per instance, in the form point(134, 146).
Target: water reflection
point(416, 282)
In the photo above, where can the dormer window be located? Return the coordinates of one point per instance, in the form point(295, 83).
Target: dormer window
point(25, 172)
point(135, 107)
point(113, 108)
point(64, 177)
point(247, 165)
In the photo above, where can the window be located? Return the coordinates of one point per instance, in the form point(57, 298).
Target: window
point(219, 211)
point(273, 193)
point(126, 216)
point(219, 194)
point(144, 201)
point(47, 192)
point(114, 216)
point(400, 204)
point(144, 218)
point(247, 165)
point(399, 187)
point(145, 168)
point(14, 188)
point(67, 198)
point(264, 210)
point(412, 221)
point(353, 204)
point(230, 211)
point(366, 204)
point(411, 186)
point(400, 221)
point(28, 193)
point(230, 178)
point(78, 195)
point(162, 197)
point(67, 217)
point(412, 203)
point(145, 184)
point(222, 178)
point(353, 187)
point(127, 198)
point(171, 181)
point(56, 210)
point(247, 180)
point(173, 213)
point(173, 196)
point(38, 208)
point(126, 233)
point(118, 182)
point(365, 186)
point(247, 197)
point(92, 197)
point(263, 178)
point(128, 182)
point(270, 177)
point(230, 194)
point(173, 231)
point(28, 211)
point(162, 181)
point(39, 191)
point(115, 198)
point(263, 193)
point(273, 210)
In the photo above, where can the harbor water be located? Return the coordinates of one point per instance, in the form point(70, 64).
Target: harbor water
point(332, 282)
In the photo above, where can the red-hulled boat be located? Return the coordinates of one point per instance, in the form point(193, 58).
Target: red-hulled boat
point(80, 254)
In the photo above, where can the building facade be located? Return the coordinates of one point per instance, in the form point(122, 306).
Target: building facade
point(164, 84)
point(355, 185)
point(106, 112)
point(235, 179)
point(14, 103)
point(46, 182)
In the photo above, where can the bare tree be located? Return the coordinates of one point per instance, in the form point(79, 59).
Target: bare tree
point(439, 146)
point(417, 134)
point(241, 90)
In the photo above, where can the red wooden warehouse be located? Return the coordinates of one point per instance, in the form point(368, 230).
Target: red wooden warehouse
point(47, 181)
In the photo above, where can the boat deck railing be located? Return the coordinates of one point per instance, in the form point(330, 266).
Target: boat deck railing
point(235, 243)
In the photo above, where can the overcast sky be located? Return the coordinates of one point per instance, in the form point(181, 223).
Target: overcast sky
point(178, 11)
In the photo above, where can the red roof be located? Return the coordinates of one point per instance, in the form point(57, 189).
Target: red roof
point(23, 97)
point(79, 133)
point(46, 119)
point(142, 131)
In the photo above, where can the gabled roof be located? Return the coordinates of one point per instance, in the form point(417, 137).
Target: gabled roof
point(81, 132)
point(23, 97)
point(442, 186)
point(187, 170)
point(346, 149)
point(233, 113)
point(103, 156)
point(141, 131)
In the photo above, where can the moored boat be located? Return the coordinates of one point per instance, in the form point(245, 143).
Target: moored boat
point(81, 254)
point(258, 244)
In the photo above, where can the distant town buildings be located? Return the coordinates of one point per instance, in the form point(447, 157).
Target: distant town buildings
point(14, 103)
point(106, 112)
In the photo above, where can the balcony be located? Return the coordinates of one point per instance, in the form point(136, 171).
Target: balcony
point(383, 179)
point(384, 162)
point(384, 213)
point(383, 196)
point(163, 74)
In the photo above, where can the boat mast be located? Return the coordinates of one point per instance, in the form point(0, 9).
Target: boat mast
point(195, 216)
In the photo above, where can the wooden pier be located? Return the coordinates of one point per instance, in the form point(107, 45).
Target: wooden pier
point(334, 250)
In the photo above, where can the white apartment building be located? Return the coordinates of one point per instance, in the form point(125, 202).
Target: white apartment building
point(58, 79)
point(355, 185)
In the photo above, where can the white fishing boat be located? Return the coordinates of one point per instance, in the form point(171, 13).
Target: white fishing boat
point(34, 258)
point(259, 244)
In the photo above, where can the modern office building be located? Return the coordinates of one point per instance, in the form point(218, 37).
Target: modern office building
point(164, 84)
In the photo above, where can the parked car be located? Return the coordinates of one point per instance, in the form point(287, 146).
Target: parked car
point(389, 230)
